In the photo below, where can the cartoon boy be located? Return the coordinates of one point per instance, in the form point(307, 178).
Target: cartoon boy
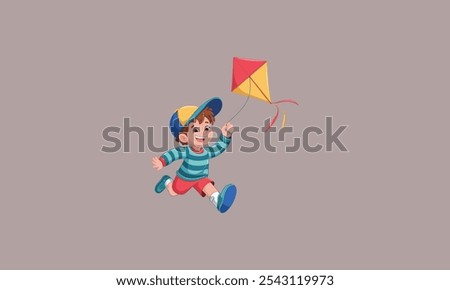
point(191, 126)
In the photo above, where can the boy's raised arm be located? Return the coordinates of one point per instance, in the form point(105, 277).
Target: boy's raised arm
point(219, 147)
point(224, 141)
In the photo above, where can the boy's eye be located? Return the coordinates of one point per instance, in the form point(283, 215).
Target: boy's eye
point(196, 129)
point(207, 128)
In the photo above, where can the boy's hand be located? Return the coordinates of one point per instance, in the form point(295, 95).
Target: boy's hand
point(227, 129)
point(157, 164)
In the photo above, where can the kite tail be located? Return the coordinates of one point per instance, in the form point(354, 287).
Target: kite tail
point(286, 101)
point(274, 119)
point(284, 120)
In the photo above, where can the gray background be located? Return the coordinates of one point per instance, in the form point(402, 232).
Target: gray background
point(68, 70)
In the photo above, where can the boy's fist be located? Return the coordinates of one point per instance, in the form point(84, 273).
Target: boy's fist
point(157, 164)
point(227, 129)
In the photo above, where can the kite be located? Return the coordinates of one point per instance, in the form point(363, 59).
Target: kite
point(250, 79)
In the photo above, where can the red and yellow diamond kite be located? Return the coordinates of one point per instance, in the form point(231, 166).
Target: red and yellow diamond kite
point(250, 79)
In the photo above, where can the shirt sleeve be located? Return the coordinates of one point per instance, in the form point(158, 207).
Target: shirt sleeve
point(173, 155)
point(219, 147)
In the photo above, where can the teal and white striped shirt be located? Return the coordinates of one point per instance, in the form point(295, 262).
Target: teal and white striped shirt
point(195, 165)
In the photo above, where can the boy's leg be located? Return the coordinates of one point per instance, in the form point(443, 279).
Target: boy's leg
point(166, 182)
point(212, 193)
point(170, 188)
point(209, 189)
point(162, 183)
point(222, 200)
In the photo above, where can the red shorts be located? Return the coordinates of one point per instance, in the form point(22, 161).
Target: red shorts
point(181, 186)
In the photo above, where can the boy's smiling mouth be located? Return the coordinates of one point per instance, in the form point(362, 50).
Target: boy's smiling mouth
point(199, 138)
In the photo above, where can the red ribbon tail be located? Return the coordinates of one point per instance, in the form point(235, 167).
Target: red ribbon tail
point(291, 101)
point(286, 101)
point(273, 119)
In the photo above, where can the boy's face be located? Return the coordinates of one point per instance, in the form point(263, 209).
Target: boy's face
point(198, 134)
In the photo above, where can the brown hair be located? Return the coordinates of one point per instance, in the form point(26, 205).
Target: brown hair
point(206, 113)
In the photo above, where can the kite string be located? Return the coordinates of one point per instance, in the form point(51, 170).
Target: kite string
point(246, 101)
point(239, 110)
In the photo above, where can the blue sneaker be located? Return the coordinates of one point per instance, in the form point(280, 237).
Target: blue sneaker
point(226, 198)
point(161, 185)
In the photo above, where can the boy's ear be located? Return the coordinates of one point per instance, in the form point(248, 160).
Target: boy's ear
point(183, 138)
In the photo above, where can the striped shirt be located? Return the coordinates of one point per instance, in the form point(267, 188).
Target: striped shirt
point(195, 165)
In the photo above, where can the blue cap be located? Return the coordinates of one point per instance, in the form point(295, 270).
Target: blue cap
point(185, 115)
